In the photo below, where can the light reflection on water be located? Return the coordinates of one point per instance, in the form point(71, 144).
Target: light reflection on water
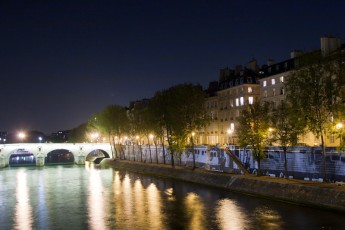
point(73, 197)
point(23, 216)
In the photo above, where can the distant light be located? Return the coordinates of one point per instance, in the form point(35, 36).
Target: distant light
point(40, 139)
point(21, 135)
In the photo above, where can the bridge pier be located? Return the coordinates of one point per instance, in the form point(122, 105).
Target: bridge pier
point(80, 160)
point(40, 161)
point(2, 162)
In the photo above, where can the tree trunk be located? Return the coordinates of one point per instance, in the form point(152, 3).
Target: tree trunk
point(324, 176)
point(259, 165)
point(285, 162)
point(163, 151)
point(111, 147)
point(194, 166)
point(141, 153)
point(148, 140)
point(156, 152)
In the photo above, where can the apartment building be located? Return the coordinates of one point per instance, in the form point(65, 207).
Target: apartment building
point(240, 86)
point(274, 75)
point(235, 88)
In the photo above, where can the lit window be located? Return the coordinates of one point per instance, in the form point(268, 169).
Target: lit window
point(281, 79)
point(250, 90)
point(242, 100)
point(232, 126)
point(237, 102)
point(250, 100)
point(273, 81)
point(264, 83)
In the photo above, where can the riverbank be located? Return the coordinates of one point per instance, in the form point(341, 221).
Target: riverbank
point(315, 194)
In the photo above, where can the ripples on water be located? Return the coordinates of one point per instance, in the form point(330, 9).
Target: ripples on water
point(76, 197)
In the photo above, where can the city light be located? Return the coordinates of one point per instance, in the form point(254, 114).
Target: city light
point(21, 136)
point(40, 139)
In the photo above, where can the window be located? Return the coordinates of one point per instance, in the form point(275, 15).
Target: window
point(273, 92)
point(264, 83)
point(282, 91)
point(237, 102)
point(265, 93)
point(241, 100)
point(232, 126)
point(250, 100)
point(273, 81)
point(250, 90)
point(281, 79)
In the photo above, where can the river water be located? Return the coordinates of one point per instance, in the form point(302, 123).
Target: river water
point(89, 197)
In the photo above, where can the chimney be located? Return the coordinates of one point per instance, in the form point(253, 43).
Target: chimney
point(295, 53)
point(270, 62)
point(329, 44)
point(252, 65)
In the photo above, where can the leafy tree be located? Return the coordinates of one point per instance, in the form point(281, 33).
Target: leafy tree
point(179, 110)
point(111, 121)
point(253, 129)
point(287, 126)
point(314, 89)
point(78, 134)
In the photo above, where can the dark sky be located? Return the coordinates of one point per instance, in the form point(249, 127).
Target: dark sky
point(61, 61)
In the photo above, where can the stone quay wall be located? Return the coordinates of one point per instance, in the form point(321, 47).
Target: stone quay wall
point(328, 196)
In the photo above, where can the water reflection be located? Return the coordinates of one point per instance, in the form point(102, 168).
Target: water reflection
point(23, 211)
point(230, 216)
point(195, 211)
point(96, 204)
point(266, 218)
point(154, 206)
point(73, 197)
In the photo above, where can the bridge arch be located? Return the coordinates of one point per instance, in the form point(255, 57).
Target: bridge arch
point(59, 156)
point(40, 151)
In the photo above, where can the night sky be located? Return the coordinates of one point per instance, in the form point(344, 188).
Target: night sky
point(61, 61)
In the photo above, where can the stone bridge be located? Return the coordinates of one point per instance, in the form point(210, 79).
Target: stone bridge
point(40, 151)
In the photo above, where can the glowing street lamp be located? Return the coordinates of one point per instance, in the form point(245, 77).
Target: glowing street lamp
point(21, 136)
point(40, 139)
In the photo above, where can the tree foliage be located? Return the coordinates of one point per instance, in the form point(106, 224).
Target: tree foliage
point(253, 130)
point(179, 110)
point(286, 127)
point(314, 89)
point(111, 121)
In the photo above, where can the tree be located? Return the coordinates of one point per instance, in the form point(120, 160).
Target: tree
point(78, 134)
point(179, 110)
point(314, 89)
point(111, 121)
point(287, 126)
point(253, 130)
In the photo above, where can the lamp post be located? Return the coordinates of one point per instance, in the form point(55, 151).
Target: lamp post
point(229, 132)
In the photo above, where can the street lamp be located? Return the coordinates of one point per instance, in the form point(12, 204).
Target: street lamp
point(229, 132)
point(21, 136)
point(339, 127)
point(40, 139)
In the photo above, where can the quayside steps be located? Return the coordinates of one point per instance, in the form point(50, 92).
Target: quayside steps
point(236, 160)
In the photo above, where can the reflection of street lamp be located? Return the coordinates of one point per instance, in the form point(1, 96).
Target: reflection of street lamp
point(21, 136)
